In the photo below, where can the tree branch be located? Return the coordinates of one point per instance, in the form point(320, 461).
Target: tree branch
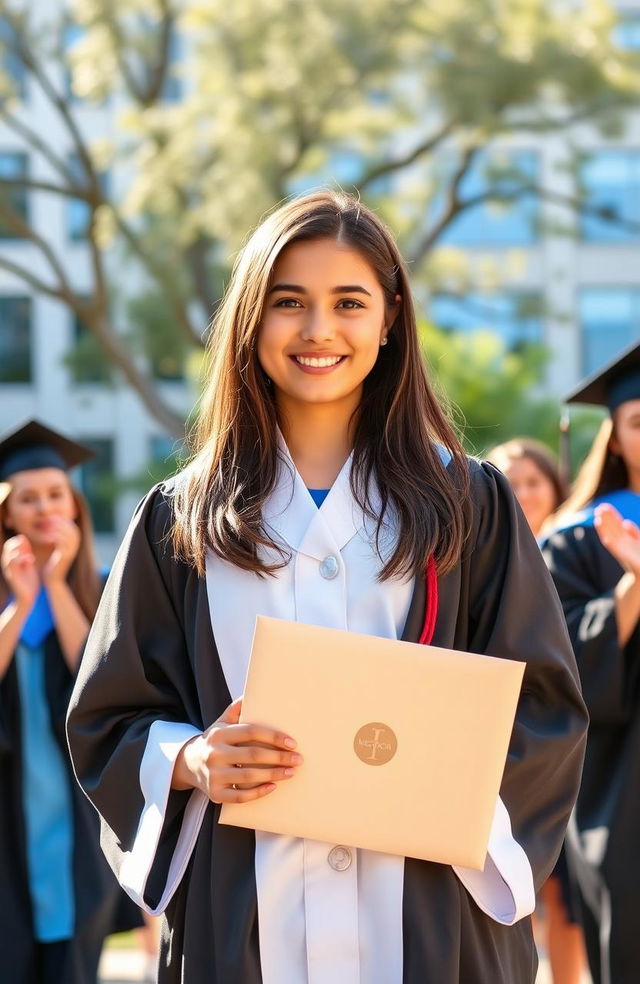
point(36, 143)
point(37, 285)
point(24, 231)
point(144, 94)
point(578, 205)
point(453, 207)
point(35, 66)
point(390, 166)
point(196, 254)
point(162, 276)
point(72, 192)
point(118, 352)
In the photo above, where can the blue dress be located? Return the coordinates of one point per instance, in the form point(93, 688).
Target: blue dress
point(46, 796)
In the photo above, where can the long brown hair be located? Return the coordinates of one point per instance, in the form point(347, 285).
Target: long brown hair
point(219, 497)
point(83, 576)
point(603, 471)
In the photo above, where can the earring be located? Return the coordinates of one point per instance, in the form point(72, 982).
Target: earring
point(384, 340)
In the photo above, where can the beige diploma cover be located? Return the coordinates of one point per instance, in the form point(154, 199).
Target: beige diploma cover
point(404, 745)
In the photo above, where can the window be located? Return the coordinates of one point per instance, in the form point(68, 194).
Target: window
point(79, 211)
point(14, 197)
point(173, 86)
point(610, 320)
point(166, 454)
point(15, 339)
point(97, 483)
point(71, 34)
point(10, 62)
point(515, 316)
point(510, 222)
point(611, 183)
point(87, 361)
point(626, 33)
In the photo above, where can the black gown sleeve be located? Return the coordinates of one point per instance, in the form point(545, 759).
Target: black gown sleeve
point(135, 678)
point(585, 575)
point(515, 613)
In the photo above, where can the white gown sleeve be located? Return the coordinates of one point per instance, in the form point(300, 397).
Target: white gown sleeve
point(165, 740)
point(504, 890)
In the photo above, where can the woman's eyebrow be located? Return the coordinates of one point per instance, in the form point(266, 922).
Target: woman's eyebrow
point(350, 289)
point(342, 289)
point(290, 288)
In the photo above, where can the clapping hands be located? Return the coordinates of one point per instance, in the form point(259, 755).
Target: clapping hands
point(620, 536)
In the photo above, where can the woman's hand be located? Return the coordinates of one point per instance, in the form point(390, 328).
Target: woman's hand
point(234, 763)
point(19, 570)
point(620, 536)
point(65, 538)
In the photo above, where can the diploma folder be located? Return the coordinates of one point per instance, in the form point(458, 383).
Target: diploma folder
point(404, 745)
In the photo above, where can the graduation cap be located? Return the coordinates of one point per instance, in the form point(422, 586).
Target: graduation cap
point(612, 385)
point(609, 387)
point(32, 445)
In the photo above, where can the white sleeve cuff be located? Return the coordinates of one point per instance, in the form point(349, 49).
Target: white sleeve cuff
point(504, 890)
point(165, 740)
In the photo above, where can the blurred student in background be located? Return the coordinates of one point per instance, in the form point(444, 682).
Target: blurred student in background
point(57, 896)
point(534, 476)
point(594, 558)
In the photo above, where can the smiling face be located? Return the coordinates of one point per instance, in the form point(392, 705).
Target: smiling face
point(38, 501)
point(322, 325)
point(533, 489)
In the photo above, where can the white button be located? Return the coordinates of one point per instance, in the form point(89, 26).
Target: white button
point(329, 568)
point(339, 858)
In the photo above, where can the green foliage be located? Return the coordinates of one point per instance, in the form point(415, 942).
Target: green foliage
point(491, 392)
point(153, 332)
point(85, 360)
point(490, 388)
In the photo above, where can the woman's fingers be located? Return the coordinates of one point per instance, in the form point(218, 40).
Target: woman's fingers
point(255, 776)
point(259, 756)
point(631, 528)
point(232, 713)
point(240, 762)
point(608, 520)
point(239, 795)
point(245, 734)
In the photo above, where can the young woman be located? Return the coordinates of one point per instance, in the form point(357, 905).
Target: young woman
point(533, 474)
point(594, 558)
point(57, 896)
point(326, 487)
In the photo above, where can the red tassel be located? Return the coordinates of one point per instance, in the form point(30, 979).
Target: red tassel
point(431, 608)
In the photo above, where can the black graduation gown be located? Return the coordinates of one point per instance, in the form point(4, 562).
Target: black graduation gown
point(604, 834)
point(151, 655)
point(96, 892)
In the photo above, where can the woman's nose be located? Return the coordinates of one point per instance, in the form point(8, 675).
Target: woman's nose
point(318, 326)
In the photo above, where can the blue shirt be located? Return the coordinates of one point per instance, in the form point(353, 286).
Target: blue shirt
point(46, 796)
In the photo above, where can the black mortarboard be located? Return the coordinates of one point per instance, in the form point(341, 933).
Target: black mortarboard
point(609, 387)
point(32, 445)
point(612, 385)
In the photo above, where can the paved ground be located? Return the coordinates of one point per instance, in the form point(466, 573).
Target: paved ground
point(127, 967)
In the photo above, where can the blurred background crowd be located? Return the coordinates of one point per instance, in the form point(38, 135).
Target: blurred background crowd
point(140, 139)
